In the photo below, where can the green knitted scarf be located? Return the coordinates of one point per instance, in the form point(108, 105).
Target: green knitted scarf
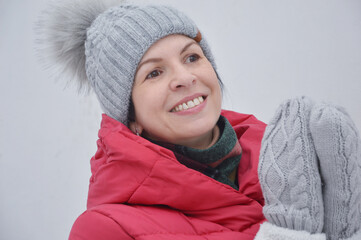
point(218, 161)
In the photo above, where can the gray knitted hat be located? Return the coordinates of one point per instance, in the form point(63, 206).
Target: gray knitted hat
point(103, 46)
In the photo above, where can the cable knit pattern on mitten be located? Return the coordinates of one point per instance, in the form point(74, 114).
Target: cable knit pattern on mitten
point(288, 170)
point(338, 146)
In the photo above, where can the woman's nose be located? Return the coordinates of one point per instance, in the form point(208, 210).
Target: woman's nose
point(182, 78)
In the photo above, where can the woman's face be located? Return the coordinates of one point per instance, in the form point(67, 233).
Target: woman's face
point(176, 93)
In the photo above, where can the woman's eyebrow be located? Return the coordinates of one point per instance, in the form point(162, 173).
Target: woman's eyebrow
point(148, 61)
point(187, 46)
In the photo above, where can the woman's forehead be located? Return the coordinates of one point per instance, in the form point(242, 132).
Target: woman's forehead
point(173, 44)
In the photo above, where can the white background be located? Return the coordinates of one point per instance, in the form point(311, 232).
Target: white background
point(266, 51)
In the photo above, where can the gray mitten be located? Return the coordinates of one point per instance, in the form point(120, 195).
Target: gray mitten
point(288, 170)
point(338, 147)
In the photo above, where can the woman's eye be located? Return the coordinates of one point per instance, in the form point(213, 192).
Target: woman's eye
point(153, 74)
point(192, 58)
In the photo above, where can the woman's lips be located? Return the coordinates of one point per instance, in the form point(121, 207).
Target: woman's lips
point(190, 110)
point(188, 103)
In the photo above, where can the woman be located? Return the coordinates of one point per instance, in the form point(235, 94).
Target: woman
point(171, 164)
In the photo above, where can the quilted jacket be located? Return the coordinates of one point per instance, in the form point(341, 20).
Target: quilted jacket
point(138, 190)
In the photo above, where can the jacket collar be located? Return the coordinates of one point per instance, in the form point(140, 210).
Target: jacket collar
point(131, 170)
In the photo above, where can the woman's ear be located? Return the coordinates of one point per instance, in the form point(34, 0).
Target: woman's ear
point(136, 128)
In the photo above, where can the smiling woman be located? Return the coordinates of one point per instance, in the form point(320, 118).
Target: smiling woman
point(171, 164)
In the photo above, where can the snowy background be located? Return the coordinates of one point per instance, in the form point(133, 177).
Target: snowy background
point(266, 51)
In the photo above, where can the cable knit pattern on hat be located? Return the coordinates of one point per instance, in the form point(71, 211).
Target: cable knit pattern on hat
point(288, 170)
point(338, 146)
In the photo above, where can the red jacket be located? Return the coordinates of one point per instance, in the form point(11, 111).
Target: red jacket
point(138, 190)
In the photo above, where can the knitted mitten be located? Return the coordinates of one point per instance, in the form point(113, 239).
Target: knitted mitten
point(288, 170)
point(338, 147)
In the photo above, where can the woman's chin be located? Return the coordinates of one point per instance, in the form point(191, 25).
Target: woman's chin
point(196, 136)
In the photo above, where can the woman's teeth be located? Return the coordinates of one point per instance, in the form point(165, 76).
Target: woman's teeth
point(188, 105)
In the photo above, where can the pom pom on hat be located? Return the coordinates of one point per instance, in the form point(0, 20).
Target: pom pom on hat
point(61, 33)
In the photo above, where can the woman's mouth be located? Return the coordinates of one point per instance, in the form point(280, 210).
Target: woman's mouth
point(189, 104)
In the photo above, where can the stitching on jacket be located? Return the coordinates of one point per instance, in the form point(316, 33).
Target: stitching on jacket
point(113, 131)
point(190, 223)
point(106, 215)
point(141, 183)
